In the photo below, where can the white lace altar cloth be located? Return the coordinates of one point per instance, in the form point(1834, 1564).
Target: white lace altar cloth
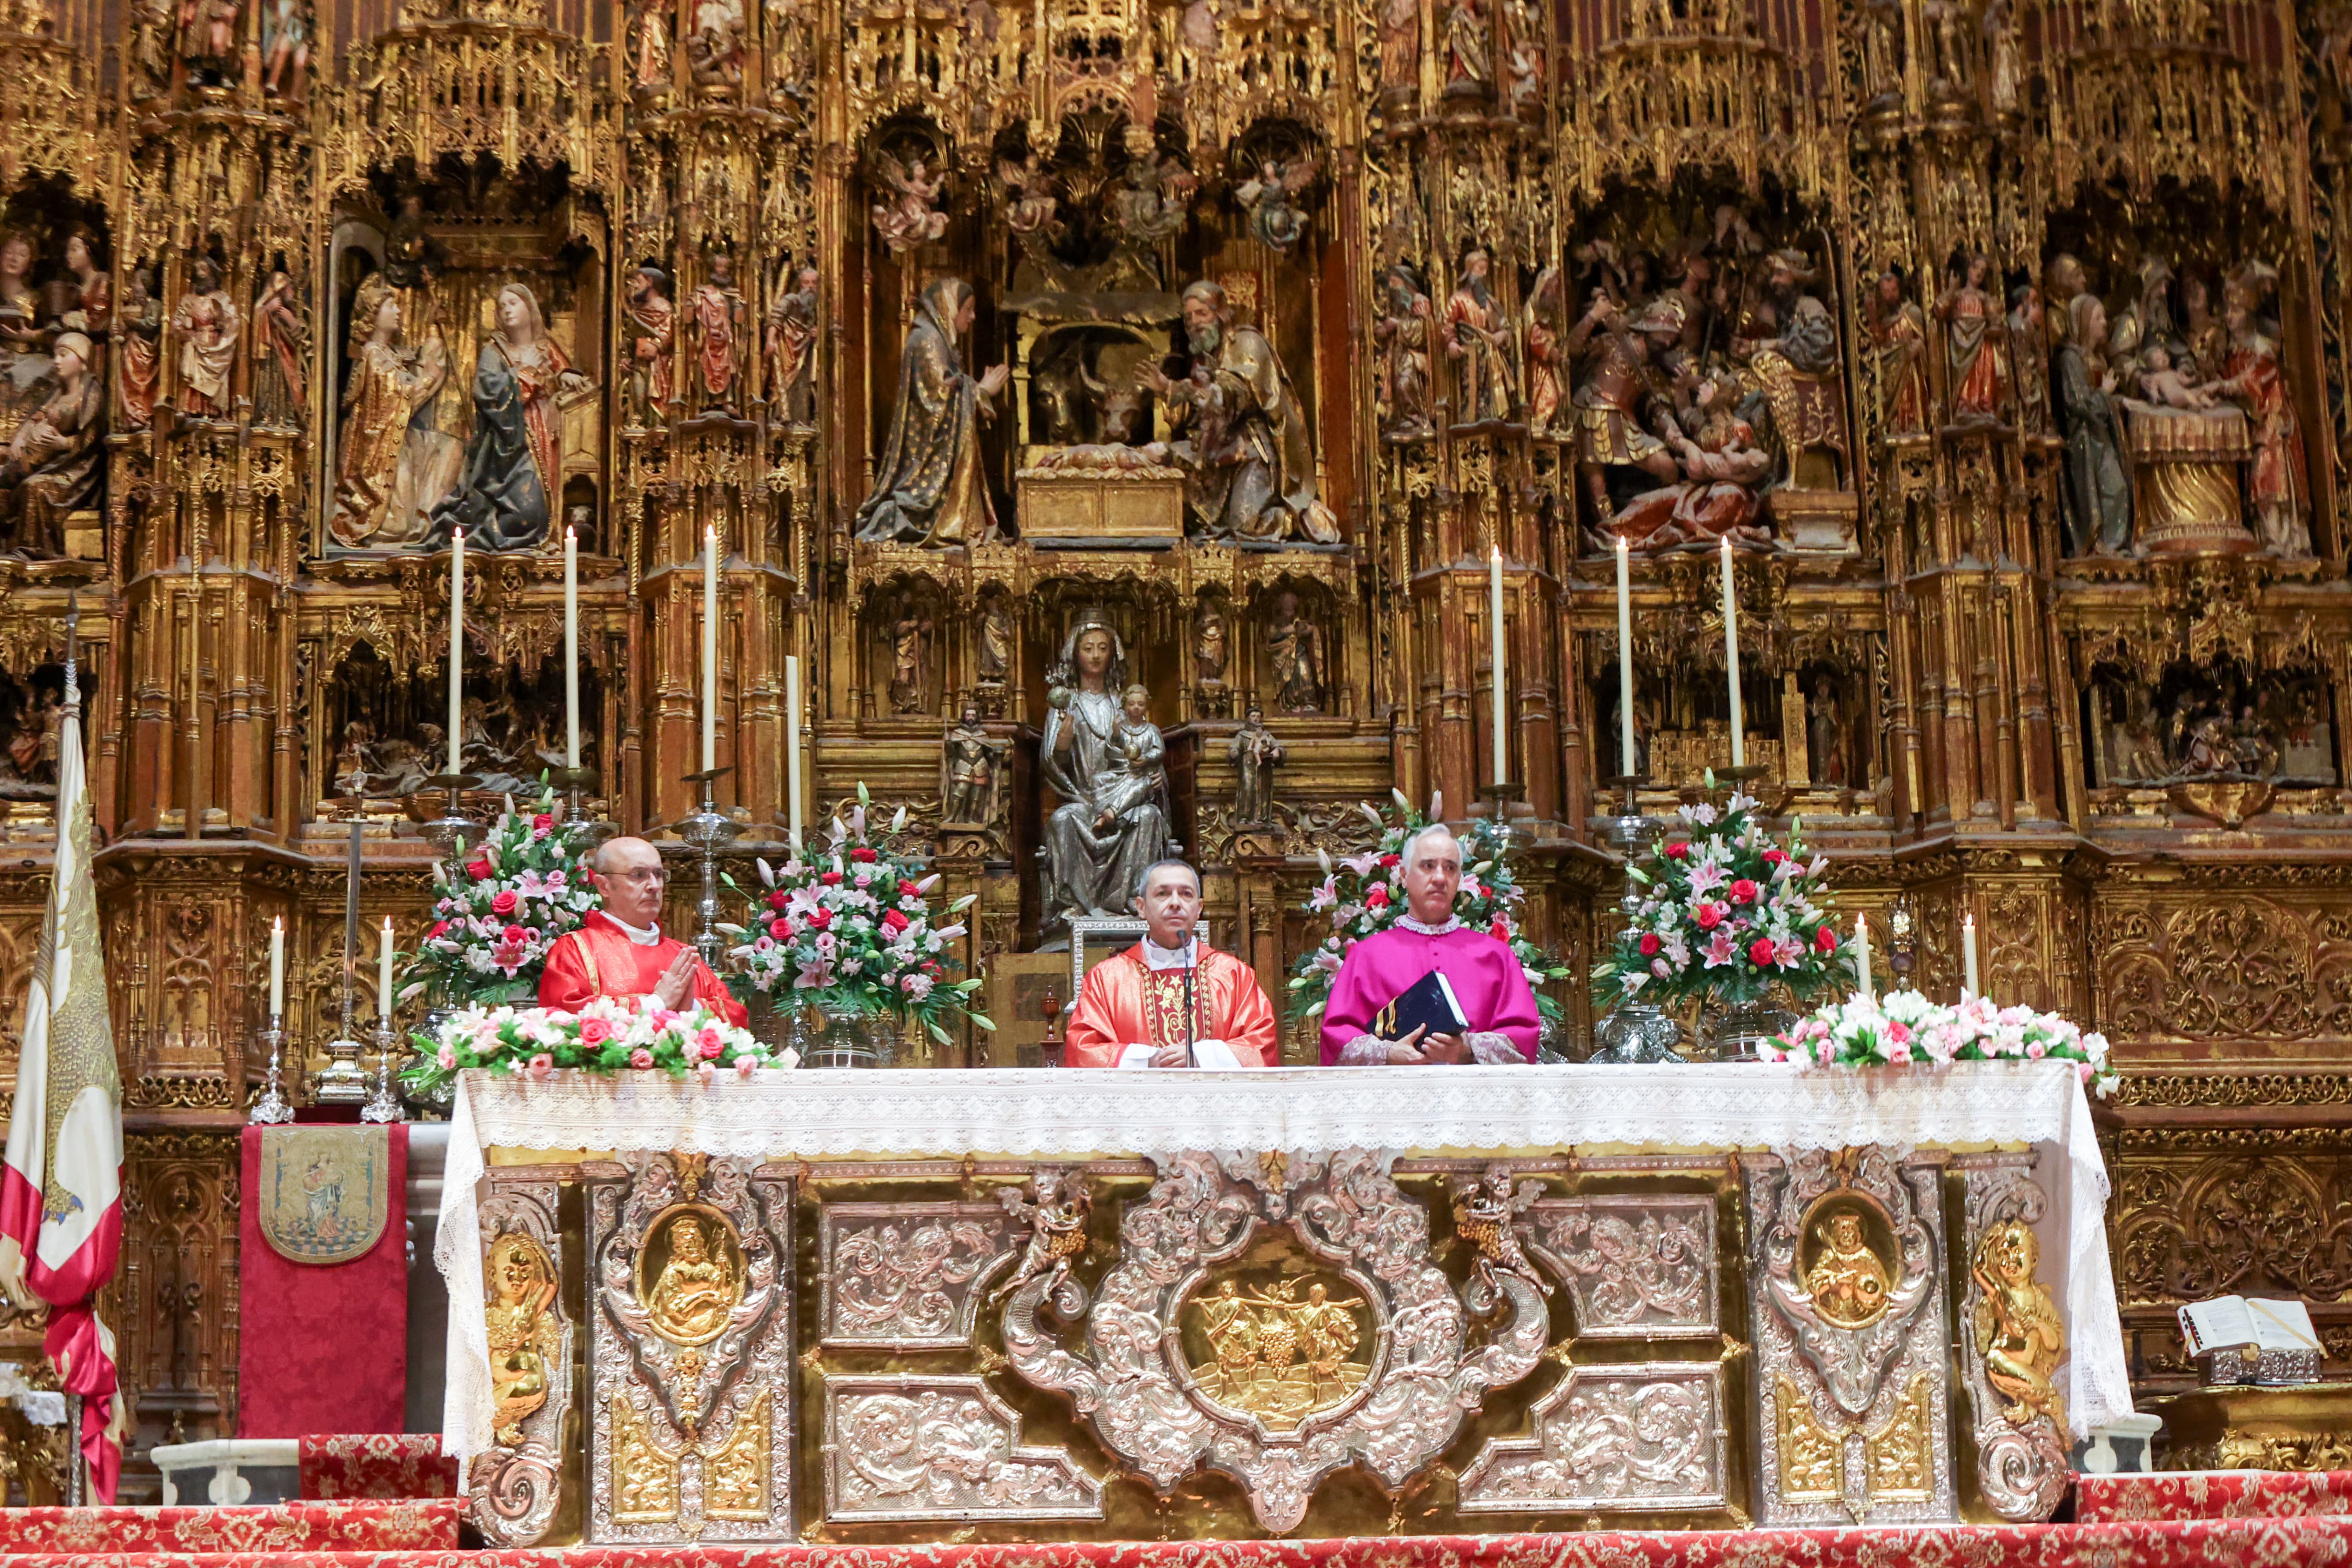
point(1035, 1113)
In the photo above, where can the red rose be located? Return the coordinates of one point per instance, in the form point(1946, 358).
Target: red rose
point(894, 921)
point(1759, 953)
point(1650, 944)
point(479, 869)
point(908, 889)
point(438, 927)
point(1500, 930)
point(1678, 850)
point(1743, 891)
point(515, 935)
point(1825, 940)
point(541, 823)
point(820, 918)
point(830, 878)
point(1709, 916)
point(781, 929)
point(778, 900)
point(862, 855)
point(594, 1031)
point(1376, 899)
point(503, 901)
point(1774, 856)
point(1388, 860)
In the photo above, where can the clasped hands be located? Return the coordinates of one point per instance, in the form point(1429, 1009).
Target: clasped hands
point(1438, 1050)
point(676, 983)
point(1174, 1055)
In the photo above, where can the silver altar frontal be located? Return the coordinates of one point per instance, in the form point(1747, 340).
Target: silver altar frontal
point(1058, 1305)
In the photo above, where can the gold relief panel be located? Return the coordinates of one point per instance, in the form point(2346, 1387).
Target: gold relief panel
point(1281, 1342)
point(690, 1274)
point(1811, 1463)
point(645, 1477)
point(735, 1472)
point(1847, 1261)
point(1895, 1456)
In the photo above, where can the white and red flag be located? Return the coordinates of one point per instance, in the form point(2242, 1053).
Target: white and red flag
point(61, 1192)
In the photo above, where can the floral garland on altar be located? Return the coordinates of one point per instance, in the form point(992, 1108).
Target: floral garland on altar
point(1727, 912)
point(1904, 1028)
point(607, 1034)
point(853, 930)
point(1364, 894)
point(497, 912)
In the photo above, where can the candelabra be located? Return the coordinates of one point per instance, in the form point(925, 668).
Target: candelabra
point(273, 1108)
point(383, 1105)
point(1502, 799)
point(706, 832)
point(586, 834)
point(1634, 1031)
point(1901, 931)
point(455, 832)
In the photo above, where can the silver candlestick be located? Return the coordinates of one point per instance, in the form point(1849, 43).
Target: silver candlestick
point(273, 1109)
point(455, 832)
point(344, 1081)
point(383, 1105)
point(1634, 1031)
point(585, 834)
point(706, 832)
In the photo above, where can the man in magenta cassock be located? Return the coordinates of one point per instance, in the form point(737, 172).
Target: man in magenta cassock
point(1483, 971)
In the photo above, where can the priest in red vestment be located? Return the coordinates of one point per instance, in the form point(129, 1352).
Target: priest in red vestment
point(1484, 973)
point(1131, 1010)
point(619, 950)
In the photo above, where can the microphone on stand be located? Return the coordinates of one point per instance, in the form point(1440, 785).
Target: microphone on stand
point(1192, 1010)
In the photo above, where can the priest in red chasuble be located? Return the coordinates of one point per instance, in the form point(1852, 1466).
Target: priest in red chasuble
point(1488, 981)
point(1131, 1010)
point(619, 950)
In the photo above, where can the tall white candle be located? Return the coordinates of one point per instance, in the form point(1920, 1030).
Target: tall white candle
point(1862, 957)
point(571, 648)
point(1494, 614)
point(383, 972)
point(1969, 986)
point(1731, 657)
point(278, 966)
point(709, 648)
point(793, 741)
point(456, 647)
point(1625, 660)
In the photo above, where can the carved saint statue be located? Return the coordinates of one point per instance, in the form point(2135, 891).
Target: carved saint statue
point(714, 50)
point(92, 311)
point(1469, 49)
point(390, 380)
point(651, 329)
point(1898, 336)
point(649, 46)
point(2096, 493)
point(523, 1337)
point(1400, 46)
point(927, 486)
point(208, 31)
point(141, 349)
point(1478, 341)
point(1100, 760)
point(1209, 644)
point(909, 635)
point(1972, 343)
point(1722, 467)
point(1403, 334)
point(1543, 347)
point(2277, 482)
point(1255, 754)
point(1798, 370)
point(2018, 1328)
point(696, 1288)
point(1294, 645)
point(206, 325)
point(22, 362)
point(791, 350)
point(1249, 459)
point(281, 334)
point(285, 47)
point(506, 491)
point(719, 320)
point(971, 770)
point(53, 463)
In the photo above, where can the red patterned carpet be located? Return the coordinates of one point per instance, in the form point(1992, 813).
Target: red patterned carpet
point(369, 1465)
point(303, 1530)
point(2210, 1494)
point(2319, 1541)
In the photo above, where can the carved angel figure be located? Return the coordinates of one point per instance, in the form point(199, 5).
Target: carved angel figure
point(2017, 1325)
point(523, 1339)
point(1486, 1213)
point(1030, 201)
point(910, 214)
point(1057, 1222)
point(1272, 201)
point(1153, 203)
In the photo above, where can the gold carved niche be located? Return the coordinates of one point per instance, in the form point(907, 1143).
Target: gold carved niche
point(1847, 1260)
point(644, 1479)
point(689, 1273)
point(1810, 1467)
point(735, 1473)
point(1281, 1339)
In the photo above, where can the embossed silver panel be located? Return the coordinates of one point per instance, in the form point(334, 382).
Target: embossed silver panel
point(1279, 1400)
point(512, 1489)
point(1637, 1267)
point(1647, 1437)
point(908, 1275)
point(946, 1448)
point(1845, 1281)
point(691, 1376)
